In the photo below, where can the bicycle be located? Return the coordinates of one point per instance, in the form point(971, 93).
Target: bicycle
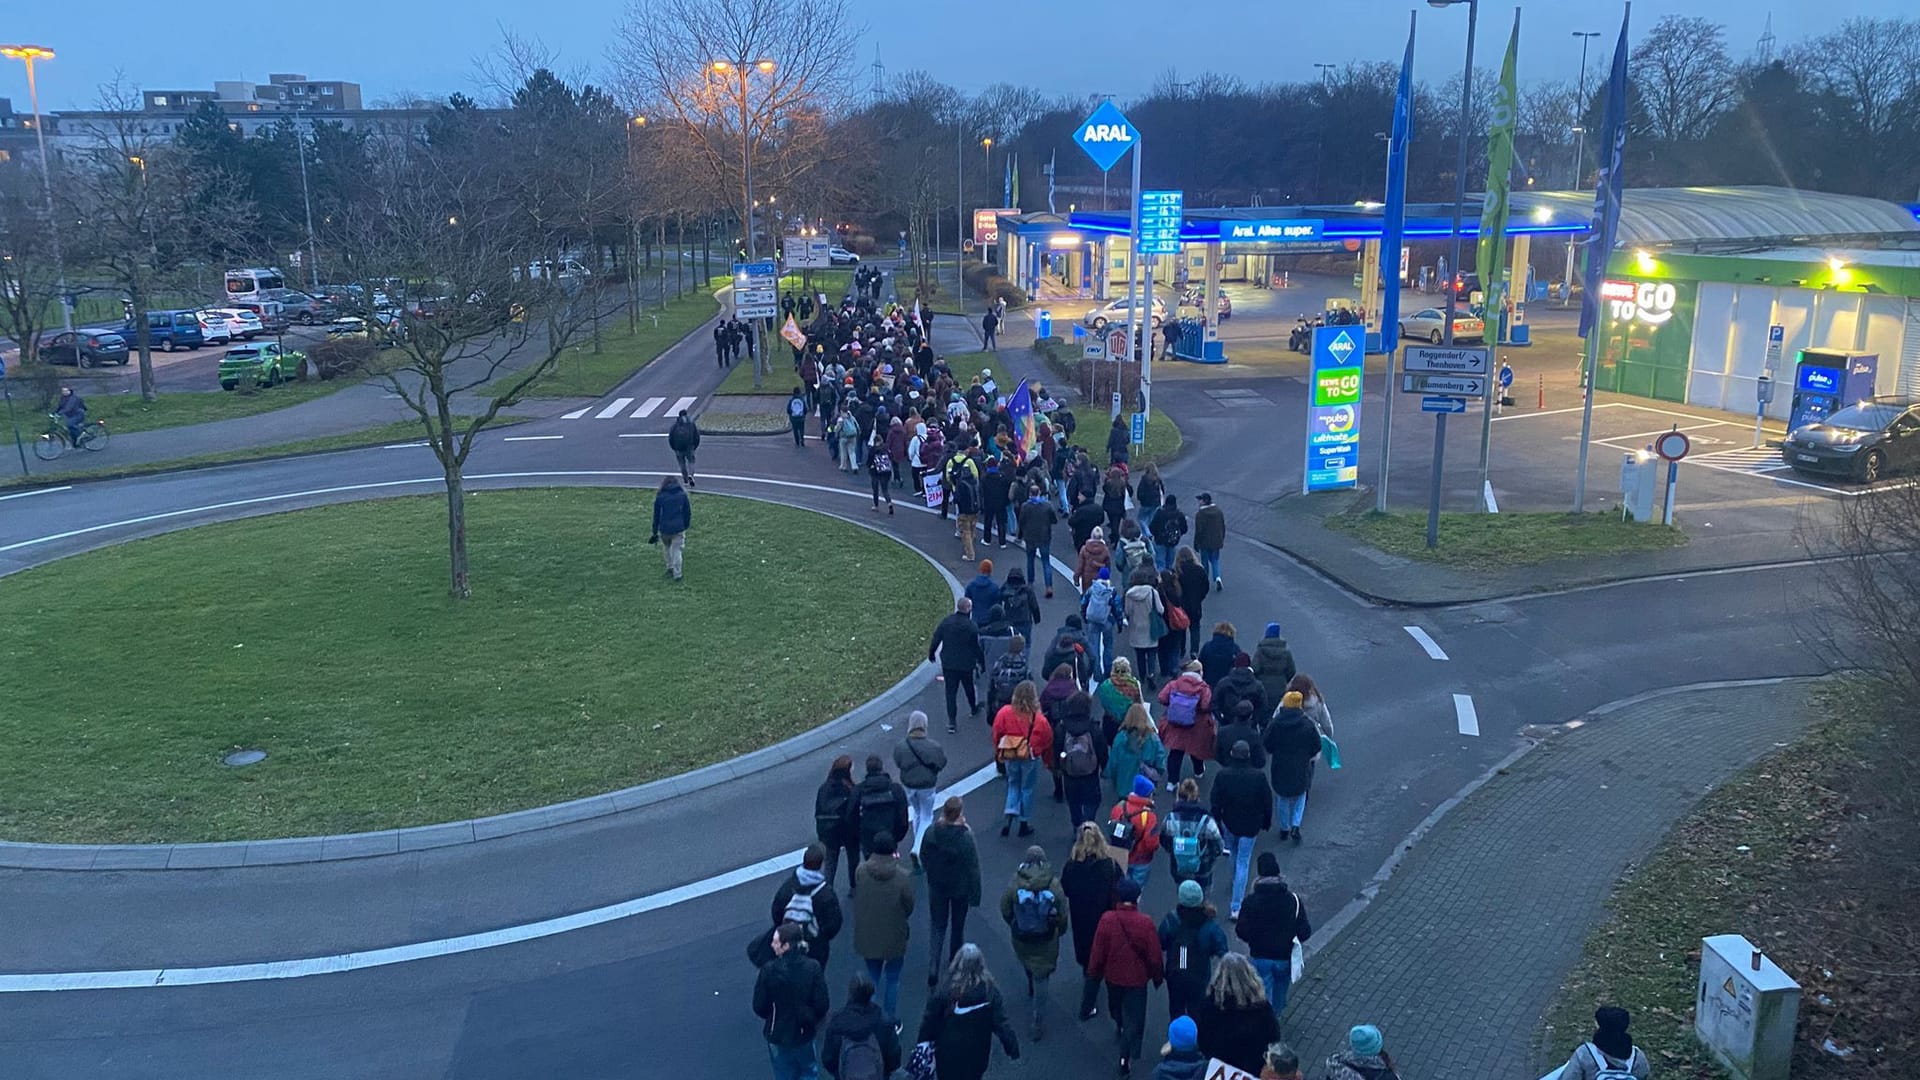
point(53, 442)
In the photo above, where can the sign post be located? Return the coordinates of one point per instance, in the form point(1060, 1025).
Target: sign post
point(1107, 135)
point(1776, 338)
point(756, 298)
point(1333, 409)
point(1671, 446)
point(11, 419)
point(1447, 376)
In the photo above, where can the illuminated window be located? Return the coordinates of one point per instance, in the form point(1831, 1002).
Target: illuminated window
point(159, 99)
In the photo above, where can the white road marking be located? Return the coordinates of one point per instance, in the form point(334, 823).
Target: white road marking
point(646, 407)
point(531, 438)
point(1463, 711)
point(576, 414)
point(643, 434)
point(41, 491)
point(402, 445)
point(160, 978)
point(681, 405)
point(1426, 642)
point(613, 409)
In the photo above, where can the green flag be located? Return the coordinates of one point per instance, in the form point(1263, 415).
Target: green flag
point(1491, 256)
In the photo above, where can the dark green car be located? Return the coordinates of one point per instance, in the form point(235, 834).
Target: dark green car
point(265, 362)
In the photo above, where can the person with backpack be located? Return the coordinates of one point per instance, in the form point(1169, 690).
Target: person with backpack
point(1272, 918)
point(951, 862)
point(882, 805)
point(1059, 689)
point(880, 468)
point(836, 818)
point(1126, 956)
point(672, 517)
point(806, 899)
point(1114, 492)
point(1034, 908)
point(1131, 551)
point(1242, 804)
point(1216, 656)
point(919, 760)
point(1236, 1022)
point(797, 416)
point(962, 1019)
point(1082, 756)
point(1209, 536)
point(1010, 669)
point(956, 642)
point(1101, 609)
point(848, 428)
point(1190, 942)
point(683, 438)
point(963, 494)
point(1167, 526)
point(1273, 664)
point(790, 998)
point(1193, 600)
point(1137, 752)
point(860, 1042)
point(1021, 606)
point(1610, 1053)
point(1037, 519)
point(882, 907)
point(1133, 830)
point(1190, 837)
point(1365, 1057)
point(1147, 494)
point(1069, 650)
point(1118, 693)
point(1292, 743)
point(1146, 622)
point(1022, 740)
point(1187, 726)
point(1240, 686)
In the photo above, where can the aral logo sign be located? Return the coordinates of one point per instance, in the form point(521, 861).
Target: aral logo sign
point(1106, 135)
point(1648, 302)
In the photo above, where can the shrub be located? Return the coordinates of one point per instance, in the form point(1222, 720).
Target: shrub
point(341, 356)
point(984, 280)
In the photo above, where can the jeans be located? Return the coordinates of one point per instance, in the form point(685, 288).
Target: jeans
point(1128, 1007)
point(671, 546)
point(1013, 526)
point(1210, 558)
point(1163, 556)
point(796, 1062)
point(848, 457)
point(799, 426)
point(1288, 810)
point(1021, 777)
point(1242, 849)
point(880, 488)
point(919, 812)
point(1277, 977)
point(1100, 645)
point(949, 915)
point(1045, 553)
point(685, 460)
point(1140, 873)
point(834, 848)
point(886, 976)
point(954, 681)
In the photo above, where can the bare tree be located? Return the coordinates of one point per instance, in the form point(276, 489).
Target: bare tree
point(1869, 65)
point(29, 272)
point(1683, 76)
point(1870, 584)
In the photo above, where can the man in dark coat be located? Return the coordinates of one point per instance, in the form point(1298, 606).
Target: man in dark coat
point(790, 998)
point(809, 880)
point(1037, 517)
point(956, 641)
point(883, 806)
point(952, 865)
point(1209, 536)
point(1272, 918)
point(683, 438)
point(672, 517)
point(1243, 805)
point(857, 1021)
point(1239, 685)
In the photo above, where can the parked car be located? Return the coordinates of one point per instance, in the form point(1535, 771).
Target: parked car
point(1430, 324)
point(306, 310)
point(840, 256)
point(244, 323)
point(393, 330)
point(269, 313)
point(83, 348)
point(215, 327)
point(169, 330)
point(1863, 442)
point(266, 362)
point(1117, 311)
point(1224, 305)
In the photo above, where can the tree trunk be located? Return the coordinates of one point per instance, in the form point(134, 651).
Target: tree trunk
point(458, 585)
point(143, 340)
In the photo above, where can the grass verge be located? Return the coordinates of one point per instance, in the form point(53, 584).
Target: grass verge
point(581, 372)
point(326, 638)
point(125, 413)
point(1495, 541)
point(1810, 854)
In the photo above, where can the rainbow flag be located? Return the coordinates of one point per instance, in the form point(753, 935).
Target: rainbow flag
point(1026, 436)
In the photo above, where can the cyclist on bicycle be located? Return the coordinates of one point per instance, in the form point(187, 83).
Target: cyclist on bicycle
point(73, 410)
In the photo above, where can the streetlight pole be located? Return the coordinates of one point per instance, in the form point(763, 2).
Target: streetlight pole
point(739, 69)
point(1579, 151)
point(306, 196)
point(28, 54)
point(1460, 166)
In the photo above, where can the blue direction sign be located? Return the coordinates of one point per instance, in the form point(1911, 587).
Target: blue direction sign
point(1139, 432)
point(1333, 408)
point(1160, 216)
point(1443, 404)
point(1106, 135)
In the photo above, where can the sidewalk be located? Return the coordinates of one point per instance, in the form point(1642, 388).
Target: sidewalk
point(1461, 951)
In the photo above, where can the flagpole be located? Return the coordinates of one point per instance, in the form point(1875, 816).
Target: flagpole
point(1606, 204)
point(1496, 295)
point(1396, 211)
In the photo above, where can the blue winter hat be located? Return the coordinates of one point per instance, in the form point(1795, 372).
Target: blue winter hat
point(1143, 787)
point(1104, 574)
point(1273, 629)
point(1183, 1034)
point(1365, 1040)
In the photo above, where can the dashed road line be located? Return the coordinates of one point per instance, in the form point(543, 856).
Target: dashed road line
point(613, 409)
point(646, 407)
point(39, 491)
point(402, 445)
point(576, 414)
point(1464, 714)
point(1426, 642)
point(532, 438)
point(682, 405)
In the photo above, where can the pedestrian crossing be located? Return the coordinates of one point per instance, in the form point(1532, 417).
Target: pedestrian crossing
point(1750, 461)
point(649, 407)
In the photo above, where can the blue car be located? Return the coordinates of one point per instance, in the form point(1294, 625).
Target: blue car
point(170, 330)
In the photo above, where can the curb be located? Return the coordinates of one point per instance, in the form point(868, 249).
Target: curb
point(316, 849)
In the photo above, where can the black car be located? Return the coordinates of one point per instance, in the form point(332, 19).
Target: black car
point(1861, 442)
point(83, 348)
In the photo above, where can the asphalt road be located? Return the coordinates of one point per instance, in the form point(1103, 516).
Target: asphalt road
point(666, 992)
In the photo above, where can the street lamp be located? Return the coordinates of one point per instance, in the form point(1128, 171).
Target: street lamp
point(739, 69)
point(28, 54)
point(1460, 167)
point(1579, 107)
point(1326, 71)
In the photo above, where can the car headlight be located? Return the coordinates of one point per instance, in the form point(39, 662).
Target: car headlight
point(1845, 447)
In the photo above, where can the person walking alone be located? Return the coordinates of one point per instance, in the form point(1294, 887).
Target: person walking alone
point(880, 466)
point(1167, 526)
point(790, 998)
point(882, 904)
point(989, 329)
point(957, 643)
point(1034, 908)
point(683, 438)
point(1126, 956)
point(672, 517)
point(919, 760)
point(952, 865)
point(797, 416)
point(1210, 536)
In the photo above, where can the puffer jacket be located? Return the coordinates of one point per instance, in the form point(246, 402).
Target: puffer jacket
point(1038, 955)
point(1094, 554)
point(1143, 602)
point(882, 902)
point(1273, 666)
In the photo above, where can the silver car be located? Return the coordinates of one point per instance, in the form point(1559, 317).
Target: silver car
point(1429, 324)
point(1117, 311)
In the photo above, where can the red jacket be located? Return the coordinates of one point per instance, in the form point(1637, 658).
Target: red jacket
point(1126, 949)
point(1148, 837)
point(1010, 721)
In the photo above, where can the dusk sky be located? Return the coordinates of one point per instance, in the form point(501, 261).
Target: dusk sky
point(1060, 46)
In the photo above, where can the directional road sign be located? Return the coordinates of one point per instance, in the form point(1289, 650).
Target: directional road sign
point(1443, 404)
point(756, 289)
point(1461, 385)
point(1106, 135)
point(1446, 361)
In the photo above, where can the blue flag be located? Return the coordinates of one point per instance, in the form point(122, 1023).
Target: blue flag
point(1050, 163)
point(1606, 193)
point(1394, 229)
point(1026, 441)
point(1006, 183)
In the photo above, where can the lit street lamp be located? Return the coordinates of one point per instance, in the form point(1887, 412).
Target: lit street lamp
point(739, 69)
point(28, 54)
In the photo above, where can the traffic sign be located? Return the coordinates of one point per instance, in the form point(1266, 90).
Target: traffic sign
point(1461, 385)
point(756, 289)
point(1445, 360)
point(1139, 428)
point(1160, 216)
point(1443, 404)
point(1672, 445)
point(1106, 135)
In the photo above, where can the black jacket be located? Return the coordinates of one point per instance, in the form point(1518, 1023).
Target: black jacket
point(957, 640)
point(1271, 918)
point(1194, 587)
point(1239, 684)
point(966, 495)
point(993, 491)
point(1216, 656)
point(1238, 1037)
point(1037, 518)
point(855, 1022)
point(1119, 440)
point(1169, 525)
point(1242, 801)
point(1085, 518)
point(790, 998)
point(1292, 743)
point(962, 1033)
point(951, 862)
point(826, 906)
point(1089, 884)
point(873, 821)
point(684, 436)
point(843, 827)
point(1022, 607)
point(1233, 733)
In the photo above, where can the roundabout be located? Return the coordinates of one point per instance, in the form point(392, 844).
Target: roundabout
point(324, 638)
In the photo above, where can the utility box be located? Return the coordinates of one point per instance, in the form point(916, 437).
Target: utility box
point(1639, 481)
point(1746, 1008)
